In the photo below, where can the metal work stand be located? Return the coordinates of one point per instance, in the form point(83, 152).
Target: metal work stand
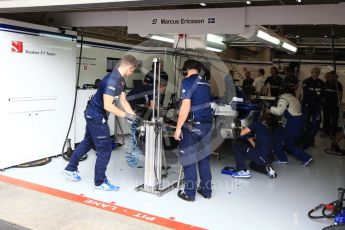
point(154, 160)
point(180, 180)
point(154, 153)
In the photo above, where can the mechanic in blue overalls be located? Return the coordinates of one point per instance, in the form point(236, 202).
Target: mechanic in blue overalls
point(287, 136)
point(313, 91)
point(333, 94)
point(148, 79)
point(275, 82)
point(97, 129)
point(193, 130)
point(259, 151)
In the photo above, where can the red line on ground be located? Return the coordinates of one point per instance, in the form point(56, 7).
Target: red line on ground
point(99, 204)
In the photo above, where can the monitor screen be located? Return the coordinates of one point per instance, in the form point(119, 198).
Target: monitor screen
point(111, 63)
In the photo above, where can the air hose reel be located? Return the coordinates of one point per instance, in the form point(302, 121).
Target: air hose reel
point(335, 210)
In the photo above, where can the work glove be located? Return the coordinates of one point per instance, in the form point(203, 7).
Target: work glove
point(132, 118)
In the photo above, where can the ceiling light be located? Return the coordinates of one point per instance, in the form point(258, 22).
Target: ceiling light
point(248, 2)
point(297, 36)
point(299, 1)
point(216, 44)
point(164, 39)
point(325, 36)
point(213, 49)
point(215, 39)
point(202, 4)
point(267, 37)
point(289, 47)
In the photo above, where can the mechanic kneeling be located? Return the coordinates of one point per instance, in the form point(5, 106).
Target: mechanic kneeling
point(259, 152)
point(195, 134)
point(288, 136)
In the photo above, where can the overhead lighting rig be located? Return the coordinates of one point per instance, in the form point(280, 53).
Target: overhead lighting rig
point(269, 38)
point(213, 43)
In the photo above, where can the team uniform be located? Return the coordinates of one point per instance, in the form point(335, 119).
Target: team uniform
point(331, 107)
point(149, 78)
point(287, 137)
point(275, 85)
point(247, 86)
point(260, 155)
point(97, 130)
point(292, 81)
point(195, 144)
point(140, 95)
point(313, 91)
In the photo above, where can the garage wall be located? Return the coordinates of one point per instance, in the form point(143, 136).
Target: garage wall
point(37, 65)
point(96, 52)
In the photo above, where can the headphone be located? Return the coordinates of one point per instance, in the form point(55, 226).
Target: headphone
point(184, 70)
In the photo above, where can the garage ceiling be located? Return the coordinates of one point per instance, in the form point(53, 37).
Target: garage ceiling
point(314, 39)
point(10, 6)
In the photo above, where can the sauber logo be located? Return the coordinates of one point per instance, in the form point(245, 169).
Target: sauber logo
point(17, 47)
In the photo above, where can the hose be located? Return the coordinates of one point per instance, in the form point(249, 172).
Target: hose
point(325, 207)
point(133, 149)
point(67, 155)
point(123, 138)
point(335, 152)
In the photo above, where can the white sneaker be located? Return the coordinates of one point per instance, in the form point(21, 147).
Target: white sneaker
point(71, 175)
point(271, 172)
point(107, 186)
point(241, 174)
point(307, 162)
point(280, 162)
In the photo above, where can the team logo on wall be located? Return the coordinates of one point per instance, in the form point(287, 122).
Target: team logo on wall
point(17, 47)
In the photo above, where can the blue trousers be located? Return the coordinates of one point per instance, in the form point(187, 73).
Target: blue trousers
point(98, 134)
point(330, 120)
point(287, 138)
point(195, 150)
point(241, 151)
point(312, 119)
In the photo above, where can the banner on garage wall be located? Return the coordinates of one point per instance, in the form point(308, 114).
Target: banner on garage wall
point(195, 21)
point(38, 63)
point(43, 64)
